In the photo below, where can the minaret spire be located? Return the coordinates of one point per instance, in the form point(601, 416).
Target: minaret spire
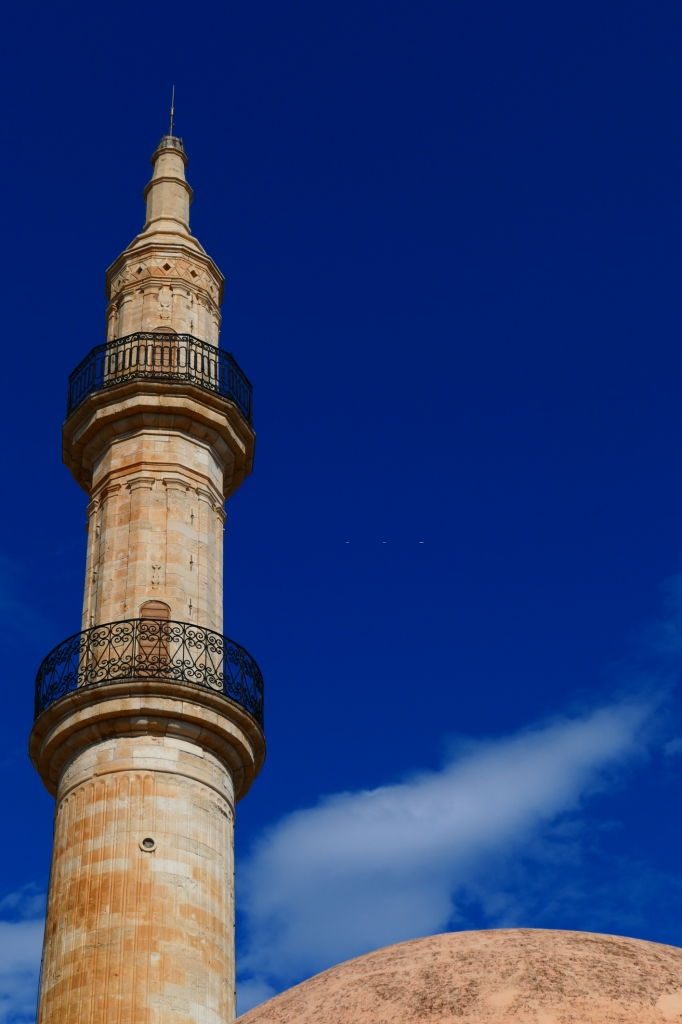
point(164, 280)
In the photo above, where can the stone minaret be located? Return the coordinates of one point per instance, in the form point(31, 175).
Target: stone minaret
point(148, 723)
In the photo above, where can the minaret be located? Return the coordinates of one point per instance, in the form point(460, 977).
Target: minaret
point(149, 722)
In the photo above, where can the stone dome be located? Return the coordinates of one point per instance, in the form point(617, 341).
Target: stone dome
point(503, 976)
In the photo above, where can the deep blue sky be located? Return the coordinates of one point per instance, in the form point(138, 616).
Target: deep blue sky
point(451, 233)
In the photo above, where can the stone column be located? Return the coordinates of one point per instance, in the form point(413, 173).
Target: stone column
point(147, 734)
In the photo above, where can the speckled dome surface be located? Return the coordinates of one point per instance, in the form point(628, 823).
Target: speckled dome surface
point(525, 976)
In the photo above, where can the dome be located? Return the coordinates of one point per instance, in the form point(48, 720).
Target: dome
point(501, 976)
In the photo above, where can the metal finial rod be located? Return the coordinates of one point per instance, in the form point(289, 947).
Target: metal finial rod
point(172, 111)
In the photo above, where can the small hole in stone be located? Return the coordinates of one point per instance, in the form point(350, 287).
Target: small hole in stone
point(166, 266)
point(193, 273)
point(148, 844)
point(139, 270)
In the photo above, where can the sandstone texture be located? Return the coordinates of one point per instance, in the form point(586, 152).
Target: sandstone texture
point(140, 920)
point(501, 976)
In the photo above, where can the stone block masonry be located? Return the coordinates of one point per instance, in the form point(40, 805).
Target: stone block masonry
point(141, 916)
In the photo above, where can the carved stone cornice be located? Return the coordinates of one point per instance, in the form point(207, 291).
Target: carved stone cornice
point(139, 483)
point(152, 256)
point(173, 475)
point(147, 707)
point(147, 404)
point(166, 268)
point(110, 490)
point(204, 494)
point(172, 483)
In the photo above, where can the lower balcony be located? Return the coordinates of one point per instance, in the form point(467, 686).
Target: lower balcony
point(134, 649)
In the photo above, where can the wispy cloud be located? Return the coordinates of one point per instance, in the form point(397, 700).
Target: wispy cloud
point(364, 869)
point(673, 748)
point(21, 937)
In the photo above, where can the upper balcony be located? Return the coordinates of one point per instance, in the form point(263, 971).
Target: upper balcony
point(161, 357)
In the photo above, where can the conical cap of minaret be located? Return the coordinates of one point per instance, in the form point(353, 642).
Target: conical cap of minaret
point(164, 280)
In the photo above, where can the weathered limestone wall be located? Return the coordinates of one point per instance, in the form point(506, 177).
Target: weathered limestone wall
point(155, 531)
point(136, 936)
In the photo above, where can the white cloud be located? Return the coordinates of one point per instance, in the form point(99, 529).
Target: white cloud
point(673, 747)
point(252, 992)
point(361, 870)
point(27, 903)
point(21, 940)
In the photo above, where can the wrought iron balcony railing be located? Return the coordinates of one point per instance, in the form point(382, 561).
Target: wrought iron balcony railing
point(174, 358)
point(135, 649)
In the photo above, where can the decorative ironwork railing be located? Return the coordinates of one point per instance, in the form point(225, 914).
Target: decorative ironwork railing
point(175, 358)
point(134, 649)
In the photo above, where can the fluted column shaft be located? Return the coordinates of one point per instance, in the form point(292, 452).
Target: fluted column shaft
point(140, 926)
